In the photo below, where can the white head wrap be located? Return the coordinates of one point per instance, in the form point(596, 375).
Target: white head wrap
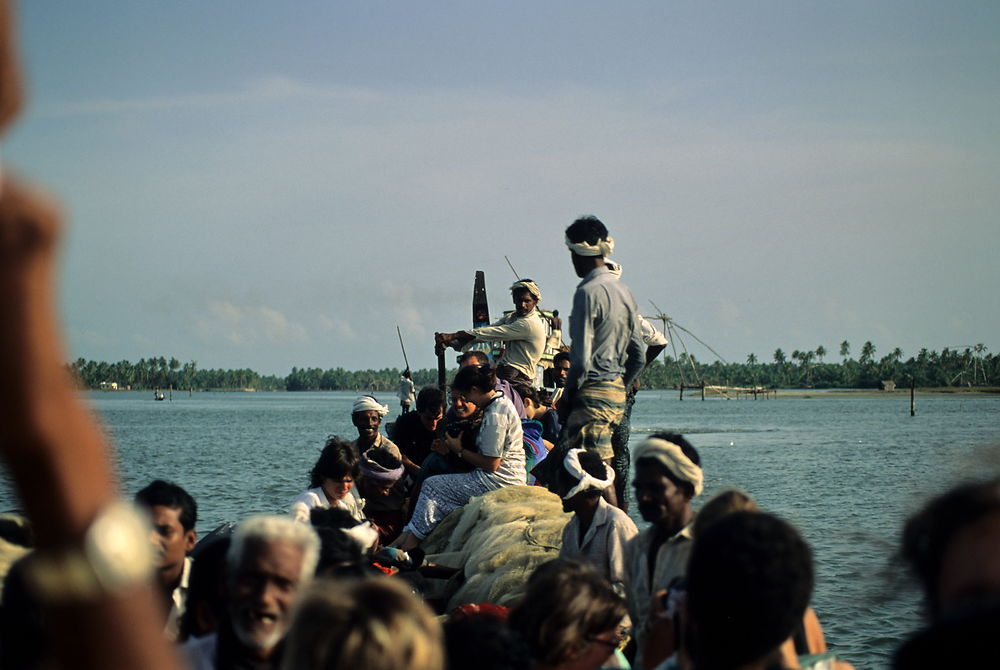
point(673, 459)
point(613, 267)
point(587, 481)
point(366, 402)
point(602, 248)
point(530, 286)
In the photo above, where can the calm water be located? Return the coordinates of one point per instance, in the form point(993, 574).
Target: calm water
point(846, 471)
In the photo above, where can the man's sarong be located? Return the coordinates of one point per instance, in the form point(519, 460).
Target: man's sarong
point(598, 407)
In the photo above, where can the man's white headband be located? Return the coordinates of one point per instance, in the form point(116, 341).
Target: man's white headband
point(529, 286)
point(366, 402)
point(587, 481)
point(673, 459)
point(602, 248)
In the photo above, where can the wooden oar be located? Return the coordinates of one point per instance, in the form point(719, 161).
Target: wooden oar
point(405, 359)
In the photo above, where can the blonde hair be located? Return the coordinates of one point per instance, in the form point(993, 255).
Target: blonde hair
point(373, 624)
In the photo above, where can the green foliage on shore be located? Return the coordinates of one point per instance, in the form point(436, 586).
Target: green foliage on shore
point(162, 373)
point(801, 369)
point(808, 369)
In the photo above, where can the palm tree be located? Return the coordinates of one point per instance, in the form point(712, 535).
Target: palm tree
point(867, 353)
point(820, 352)
point(845, 349)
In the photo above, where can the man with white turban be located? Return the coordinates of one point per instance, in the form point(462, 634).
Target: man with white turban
point(522, 332)
point(668, 476)
point(598, 532)
point(606, 350)
point(366, 415)
point(384, 494)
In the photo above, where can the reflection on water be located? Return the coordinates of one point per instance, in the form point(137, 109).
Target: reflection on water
point(846, 471)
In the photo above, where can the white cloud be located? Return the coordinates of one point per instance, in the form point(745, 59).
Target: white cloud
point(248, 325)
point(263, 90)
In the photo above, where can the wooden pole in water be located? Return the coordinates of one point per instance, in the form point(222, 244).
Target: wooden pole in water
point(913, 407)
point(703, 390)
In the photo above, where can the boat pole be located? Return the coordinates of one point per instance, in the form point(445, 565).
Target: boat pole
point(442, 373)
point(913, 407)
point(400, 335)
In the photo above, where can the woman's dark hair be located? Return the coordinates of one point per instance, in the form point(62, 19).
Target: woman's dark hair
point(928, 533)
point(565, 603)
point(750, 577)
point(587, 229)
point(337, 460)
point(479, 376)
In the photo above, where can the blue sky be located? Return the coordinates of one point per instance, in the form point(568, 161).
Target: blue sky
point(260, 185)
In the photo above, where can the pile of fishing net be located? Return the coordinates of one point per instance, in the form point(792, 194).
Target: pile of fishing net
point(497, 540)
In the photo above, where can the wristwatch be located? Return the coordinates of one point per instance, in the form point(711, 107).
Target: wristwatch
point(115, 554)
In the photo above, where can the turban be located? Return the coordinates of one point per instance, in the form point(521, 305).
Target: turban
point(528, 285)
point(587, 481)
point(372, 469)
point(366, 402)
point(602, 248)
point(673, 459)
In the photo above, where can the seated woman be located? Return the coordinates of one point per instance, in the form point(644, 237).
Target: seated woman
point(331, 482)
point(571, 618)
point(499, 462)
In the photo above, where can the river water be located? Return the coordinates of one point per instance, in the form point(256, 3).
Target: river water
point(845, 470)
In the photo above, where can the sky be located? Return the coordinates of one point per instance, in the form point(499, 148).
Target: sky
point(268, 185)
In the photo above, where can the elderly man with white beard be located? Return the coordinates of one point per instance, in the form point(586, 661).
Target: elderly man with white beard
point(270, 560)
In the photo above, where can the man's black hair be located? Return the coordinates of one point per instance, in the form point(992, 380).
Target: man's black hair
point(688, 449)
point(476, 354)
point(561, 356)
point(338, 459)
point(430, 398)
point(587, 229)
point(928, 534)
point(168, 494)
point(750, 577)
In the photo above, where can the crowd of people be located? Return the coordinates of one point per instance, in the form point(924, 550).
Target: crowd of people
point(336, 582)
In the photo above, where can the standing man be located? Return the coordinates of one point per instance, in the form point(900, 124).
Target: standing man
point(522, 332)
point(606, 350)
point(668, 476)
point(173, 513)
point(406, 390)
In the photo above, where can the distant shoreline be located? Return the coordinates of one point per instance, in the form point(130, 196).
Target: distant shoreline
point(857, 393)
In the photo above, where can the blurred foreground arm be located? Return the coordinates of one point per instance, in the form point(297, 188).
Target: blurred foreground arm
point(53, 448)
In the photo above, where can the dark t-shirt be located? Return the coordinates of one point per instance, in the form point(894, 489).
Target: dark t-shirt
point(412, 438)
